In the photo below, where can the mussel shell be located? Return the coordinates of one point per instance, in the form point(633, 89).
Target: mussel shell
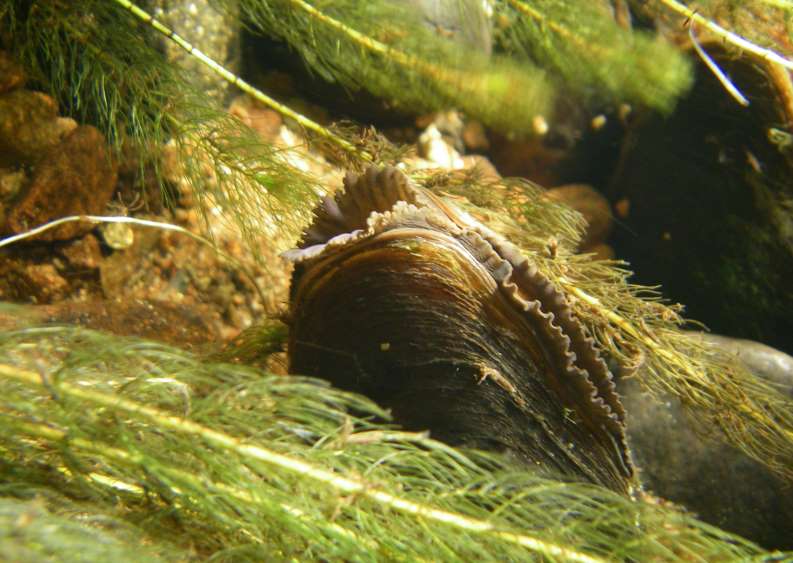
point(400, 297)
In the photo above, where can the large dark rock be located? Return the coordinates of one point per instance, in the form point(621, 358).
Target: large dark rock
point(711, 212)
point(694, 467)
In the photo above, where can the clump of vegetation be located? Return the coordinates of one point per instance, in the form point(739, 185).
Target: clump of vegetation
point(193, 459)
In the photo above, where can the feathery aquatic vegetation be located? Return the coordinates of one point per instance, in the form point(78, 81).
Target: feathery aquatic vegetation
point(238, 464)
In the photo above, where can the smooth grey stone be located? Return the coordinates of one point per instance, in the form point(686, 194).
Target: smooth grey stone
point(764, 361)
point(696, 468)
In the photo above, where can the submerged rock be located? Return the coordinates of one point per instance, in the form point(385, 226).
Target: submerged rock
point(466, 21)
point(213, 31)
point(77, 178)
point(694, 467)
point(592, 205)
point(29, 127)
point(11, 74)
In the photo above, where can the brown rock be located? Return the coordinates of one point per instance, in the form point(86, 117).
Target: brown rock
point(482, 166)
point(602, 251)
point(623, 208)
point(77, 178)
point(531, 159)
point(11, 74)
point(44, 283)
point(592, 205)
point(264, 121)
point(178, 325)
point(119, 272)
point(475, 136)
point(11, 182)
point(83, 253)
point(29, 126)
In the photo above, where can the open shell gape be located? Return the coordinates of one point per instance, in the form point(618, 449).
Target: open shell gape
point(401, 296)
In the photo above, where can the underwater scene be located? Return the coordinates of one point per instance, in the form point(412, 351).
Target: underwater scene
point(396, 280)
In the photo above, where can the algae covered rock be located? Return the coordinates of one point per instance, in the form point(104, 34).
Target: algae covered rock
point(77, 178)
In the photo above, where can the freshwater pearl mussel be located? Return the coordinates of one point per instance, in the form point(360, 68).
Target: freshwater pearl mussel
point(401, 296)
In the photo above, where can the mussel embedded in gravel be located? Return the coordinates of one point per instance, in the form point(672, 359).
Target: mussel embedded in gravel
point(401, 296)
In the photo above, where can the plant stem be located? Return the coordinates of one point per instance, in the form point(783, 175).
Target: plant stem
point(138, 461)
point(242, 84)
point(730, 37)
point(332, 479)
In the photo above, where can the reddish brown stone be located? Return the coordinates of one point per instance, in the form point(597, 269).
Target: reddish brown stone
point(178, 325)
point(623, 208)
point(601, 251)
point(83, 253)
point(592, 205)
point(29, 127)
point(11, 74)
point(44, 283)
point(531, 159)
point(11, 183)
point(483, 167)
point(475, 136)
point(264, 121)
point(77, 178)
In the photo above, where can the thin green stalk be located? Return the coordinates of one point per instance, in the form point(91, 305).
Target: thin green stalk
point(242, 84)
point(196, 482)
point(334, 480)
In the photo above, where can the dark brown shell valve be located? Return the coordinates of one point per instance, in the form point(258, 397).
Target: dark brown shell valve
point(401, 296)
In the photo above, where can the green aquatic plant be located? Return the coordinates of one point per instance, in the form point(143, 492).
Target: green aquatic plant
point(102, 66)
point(227, 462)
point(207, 459)
point(385, 48)
point(601, 61)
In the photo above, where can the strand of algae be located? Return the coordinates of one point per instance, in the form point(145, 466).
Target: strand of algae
point(178, 475)
point(345, 485)
point(753, 416)
point(98, 219)
point(235, 80)
point(729, 36)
